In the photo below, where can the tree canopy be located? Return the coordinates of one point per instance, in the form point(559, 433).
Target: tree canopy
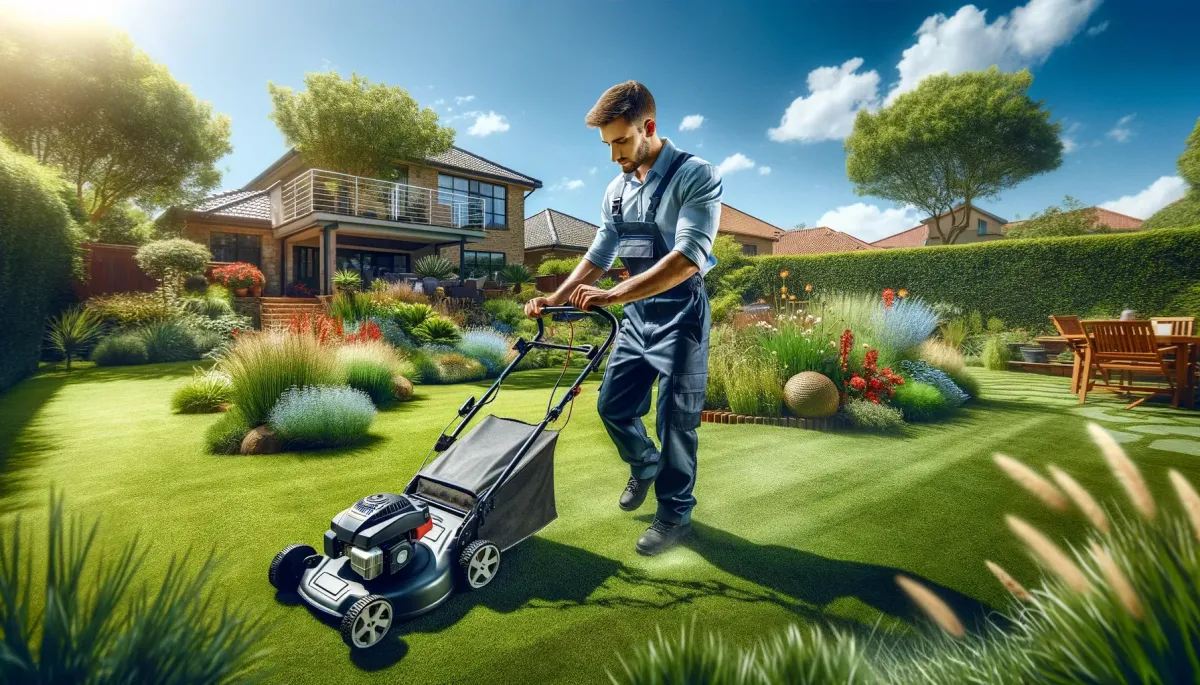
point(118, 125)
point(1185, 212)
point(355, 126)
point(951, 141)
point(1071, 218)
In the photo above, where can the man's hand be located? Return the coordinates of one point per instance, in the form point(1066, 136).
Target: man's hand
point(587, 296)
point(533, 307)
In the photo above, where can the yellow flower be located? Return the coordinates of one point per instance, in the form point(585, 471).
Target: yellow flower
point(783, 274)
point(792, 298)
point(783, 289)
point(902, 293)
point(808, 288)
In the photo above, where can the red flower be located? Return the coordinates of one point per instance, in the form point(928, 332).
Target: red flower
point(239, 275)
point(887, 371)
point(874, 384)
point(873, 397)
point(889, 297)
point(844, 350)
point(857, 382)
point(871, 359)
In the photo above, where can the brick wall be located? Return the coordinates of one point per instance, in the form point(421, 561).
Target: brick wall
point(270, 262)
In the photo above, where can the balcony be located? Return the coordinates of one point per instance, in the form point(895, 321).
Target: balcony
point(326, 192)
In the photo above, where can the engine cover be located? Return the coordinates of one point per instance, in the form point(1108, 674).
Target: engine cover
point(378, 520)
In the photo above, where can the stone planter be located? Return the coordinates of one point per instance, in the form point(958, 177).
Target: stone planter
point(546, 284)
point(429, 284)
point(1034, 355)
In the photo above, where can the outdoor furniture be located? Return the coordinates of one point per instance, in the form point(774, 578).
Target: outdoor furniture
point(1173, 325)
point(1071, 330)
point(1129, 347)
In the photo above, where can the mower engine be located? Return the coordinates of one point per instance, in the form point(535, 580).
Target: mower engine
point(378, 533)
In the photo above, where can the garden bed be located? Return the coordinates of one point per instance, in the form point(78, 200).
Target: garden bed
point(724, 416)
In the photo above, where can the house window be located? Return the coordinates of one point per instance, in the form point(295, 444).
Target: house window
point(371, 264)
point(982, 228)
point(482, 264)
point(494, 197)
point(749, 250)
point(235, 247)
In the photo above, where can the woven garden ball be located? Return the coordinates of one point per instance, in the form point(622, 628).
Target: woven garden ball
point(811, 395)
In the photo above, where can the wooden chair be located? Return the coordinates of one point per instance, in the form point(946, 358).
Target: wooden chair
point(1071, 329)
point(1127, 347)
point(1180, 325)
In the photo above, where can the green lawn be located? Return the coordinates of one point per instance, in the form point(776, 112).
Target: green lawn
point(791, 525)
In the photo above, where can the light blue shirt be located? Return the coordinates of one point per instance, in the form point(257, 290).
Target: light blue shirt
point(687, 217)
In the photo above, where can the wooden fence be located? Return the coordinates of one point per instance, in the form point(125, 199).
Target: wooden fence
point(112, 269)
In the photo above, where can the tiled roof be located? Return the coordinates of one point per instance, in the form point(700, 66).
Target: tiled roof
point(458, 158)
point(736, 221)
point(819, 240)
point(238, 204)
point(551, 228)
point(1114, 220)
point(913, 237)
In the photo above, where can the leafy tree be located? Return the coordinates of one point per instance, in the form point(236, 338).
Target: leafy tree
point(800, 225)
point(172, 261)
point(122, 225)
point(952, 140)
point(119, 126)
point(356, 127)
point(1072, 218)
point(1185, 212)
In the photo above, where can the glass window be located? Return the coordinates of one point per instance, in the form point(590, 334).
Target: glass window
point(982, 230)
point(494, 197)
point(461, 185)
point(748, 249)
point(235, 247)
point(482, 264)
point(498, 191)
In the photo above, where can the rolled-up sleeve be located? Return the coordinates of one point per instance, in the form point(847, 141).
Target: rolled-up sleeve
point(699, 215)
point(603, 251)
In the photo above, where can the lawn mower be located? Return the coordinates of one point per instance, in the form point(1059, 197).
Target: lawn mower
point(391, 556)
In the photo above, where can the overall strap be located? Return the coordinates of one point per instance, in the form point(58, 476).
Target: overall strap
point(666, 181)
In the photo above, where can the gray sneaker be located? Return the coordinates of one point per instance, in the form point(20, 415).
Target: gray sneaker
point(635, 493)
point(661, 536)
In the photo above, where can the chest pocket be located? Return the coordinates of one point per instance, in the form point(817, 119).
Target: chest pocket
point(635, 247)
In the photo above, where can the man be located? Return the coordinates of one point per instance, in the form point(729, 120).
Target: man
point(660, 216)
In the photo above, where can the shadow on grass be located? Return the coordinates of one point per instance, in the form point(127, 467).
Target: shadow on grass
point(143, 372)
point(22, 440)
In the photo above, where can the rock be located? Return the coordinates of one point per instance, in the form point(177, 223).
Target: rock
point(811, 395)
point(261, 440)
point(402, 388)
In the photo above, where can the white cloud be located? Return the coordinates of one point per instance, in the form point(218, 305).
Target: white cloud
point(487, 124)
point(1098, 28)
point(567, 184)
point(449, 109)
point(967, 42)
point(869, 222)
point(735, 162)
point(691, 122)
point(1121, 131)
point(827, 113)
point(439, 101)
point(1161, 193)
point(1069, 140)
point(593, 170)
point(462, 99)
point(764, 170)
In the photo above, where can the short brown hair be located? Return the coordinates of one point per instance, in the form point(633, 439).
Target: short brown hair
point(630, 100)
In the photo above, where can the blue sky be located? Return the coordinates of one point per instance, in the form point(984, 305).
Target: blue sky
point(1124, 78)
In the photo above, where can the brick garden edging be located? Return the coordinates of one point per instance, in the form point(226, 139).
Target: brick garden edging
point(724, 416)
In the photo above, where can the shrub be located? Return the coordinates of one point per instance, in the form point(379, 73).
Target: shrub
point(965, 382)
point(264, 365)
point(37, 245)
point(391, 293)
point(434, 266)
point(225, 325)
point(122, 349)
point(411, 315)
point(954, 332)
point(754, 386)
point(515, 275)
point(870, 416)
point(225, 435)
point(350, 305)
point(941, 354)
point(486, 347)
point(505, 311)
point(558, 267)
point(393, 334)
point(86, 616)
point(239, 275)
point(424, 370)
point(130, 309)
point(208, 307)
point(1143, 270)
point(172, 260)
point(455, 367)
point(1187, 302)
point(995, 325)
point(995, 354)
point(168, 341)
point(346, 280)
point(322, 416)
point(796, 348)
point(919, 401)
point(196, 284)
point(724, 307)
point(73, 331)
point(1184, 213)
point(204, 393)
point(207, 341)
point(369, 367)
point(922, 372)
point(437, 331)
point(901, 328)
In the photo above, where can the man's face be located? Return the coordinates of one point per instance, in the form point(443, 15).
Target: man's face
point(629, 145)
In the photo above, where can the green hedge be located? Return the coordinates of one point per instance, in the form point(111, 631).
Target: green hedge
point(37, 244)
point(1019, 281)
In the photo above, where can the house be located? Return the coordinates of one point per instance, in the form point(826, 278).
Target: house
point(1104, 217)
point(551, 234)
point(982, 226)
point(819, 240)
point(753, 234)
point(299, 224)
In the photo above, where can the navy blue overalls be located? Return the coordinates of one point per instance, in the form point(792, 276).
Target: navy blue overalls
point(664, 336)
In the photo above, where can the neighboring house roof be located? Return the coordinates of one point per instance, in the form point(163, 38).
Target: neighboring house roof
point(1114, 220)
point(976, 208)
point(734, 220)
point(819, 240)
point(552, 228)
point(913, 237)
point(235, 204)
point(454, 159)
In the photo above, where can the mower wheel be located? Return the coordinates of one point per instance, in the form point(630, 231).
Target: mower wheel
point(367, 622)
point(479, 563)
point(288, 566)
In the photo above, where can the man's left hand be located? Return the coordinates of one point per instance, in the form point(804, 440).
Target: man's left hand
point(587, 296)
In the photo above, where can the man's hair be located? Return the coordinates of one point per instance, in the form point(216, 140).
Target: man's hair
point(630, 100)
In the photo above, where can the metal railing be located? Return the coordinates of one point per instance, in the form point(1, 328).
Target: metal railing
point(317, 190)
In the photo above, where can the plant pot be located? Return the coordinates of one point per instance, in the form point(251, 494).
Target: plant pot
point(1014, 349)
point(429, 284)
point(546, 284)
point(241, 292)
point(1034, 355)
point(255, 291)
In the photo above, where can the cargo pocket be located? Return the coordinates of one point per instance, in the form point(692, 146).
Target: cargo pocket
point(687, 391)
point(635, 247)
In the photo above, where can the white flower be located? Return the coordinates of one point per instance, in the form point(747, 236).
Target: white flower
point(817, 320)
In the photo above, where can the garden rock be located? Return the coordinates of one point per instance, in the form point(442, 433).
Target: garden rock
point(402, 388)
point(261, 440)
point(811, 395)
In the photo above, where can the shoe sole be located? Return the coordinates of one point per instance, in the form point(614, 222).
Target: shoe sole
point(632, 507)
point(648, 553)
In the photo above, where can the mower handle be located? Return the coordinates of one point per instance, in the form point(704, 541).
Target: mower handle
point(563, 309)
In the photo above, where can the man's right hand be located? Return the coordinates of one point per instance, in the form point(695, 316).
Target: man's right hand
point(533, 307)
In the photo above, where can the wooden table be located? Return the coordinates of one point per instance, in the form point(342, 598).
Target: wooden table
point(1189, 348)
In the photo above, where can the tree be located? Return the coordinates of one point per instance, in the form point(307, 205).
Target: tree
point(1186, 211)
point(119, 126)
point(122, 225)
point(171, 261)
point(799, 225)
point(356, 127)
point(1072, 218)
point(951, 141)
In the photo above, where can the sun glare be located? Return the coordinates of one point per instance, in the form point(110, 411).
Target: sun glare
point(58, 10)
